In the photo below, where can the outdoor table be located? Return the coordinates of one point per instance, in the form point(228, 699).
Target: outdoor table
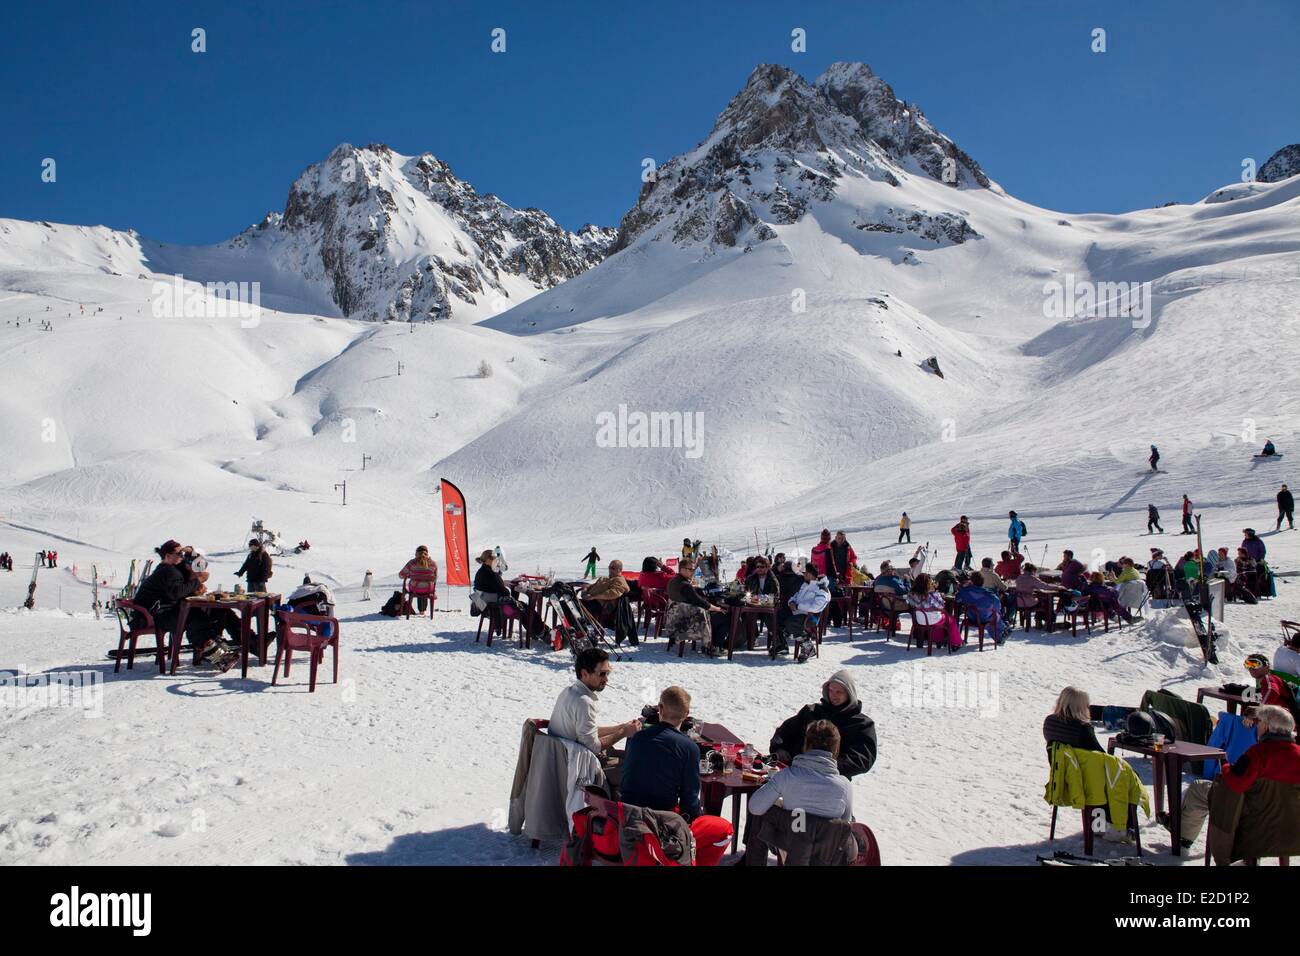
point(1219, 693)
point(532, 618)
point(716, 787)
point(253, 606)
point(755, 611)
point(1167, 766)
point(857, 593)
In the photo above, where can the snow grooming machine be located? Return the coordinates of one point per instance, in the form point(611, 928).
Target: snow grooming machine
point(574, 624)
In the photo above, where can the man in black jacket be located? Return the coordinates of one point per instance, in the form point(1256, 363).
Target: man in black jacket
point(1285, 509)
point(839, 705)
point(257, 566)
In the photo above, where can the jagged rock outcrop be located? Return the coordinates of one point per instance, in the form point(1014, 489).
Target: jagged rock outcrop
point(783, 144)
point(1283, 164)
point(402, 238)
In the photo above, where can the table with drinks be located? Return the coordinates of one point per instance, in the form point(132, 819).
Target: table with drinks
point(735, 775)
point(250, 607)
point(754, 608)
point(1167, 759)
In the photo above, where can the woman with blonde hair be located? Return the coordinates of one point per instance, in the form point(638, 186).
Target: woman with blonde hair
point(421, 562)
point(1070, 723)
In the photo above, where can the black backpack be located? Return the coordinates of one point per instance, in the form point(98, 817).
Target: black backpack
point(393, 606)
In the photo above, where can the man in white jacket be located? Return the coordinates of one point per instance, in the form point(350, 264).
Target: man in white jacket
point(811, 598)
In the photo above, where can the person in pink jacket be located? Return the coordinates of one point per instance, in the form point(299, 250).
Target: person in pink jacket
point(819, 553)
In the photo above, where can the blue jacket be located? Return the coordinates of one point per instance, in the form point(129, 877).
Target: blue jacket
point(1234, 737)
point(986, 604)
point(661, 771)
point(893, 582)
point(1015, 530)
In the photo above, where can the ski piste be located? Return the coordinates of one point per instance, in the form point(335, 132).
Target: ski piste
point(31, 588)
point(94, 588)
point(1199, 612)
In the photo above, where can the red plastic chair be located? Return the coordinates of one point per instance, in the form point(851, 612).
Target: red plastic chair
point(305, 632)
point(129, 635)
point(890, 609)
point(654, 602)
point(419, 582)
point(970, 616)
point(922, 632)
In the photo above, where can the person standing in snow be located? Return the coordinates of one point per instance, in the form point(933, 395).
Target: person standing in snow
point(1153, 519)
point(1254, 545)
point(1285, 509)
point(1187, 516)
point(591, 559)
point(905, 528)
point(961, 538)
point(820, 552)
point(257, 566)
point(1155, 458)
point(366, 582)
point(1015, 531)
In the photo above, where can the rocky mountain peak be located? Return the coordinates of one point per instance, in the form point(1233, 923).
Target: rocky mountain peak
point(403, 238)
point(1283, 164)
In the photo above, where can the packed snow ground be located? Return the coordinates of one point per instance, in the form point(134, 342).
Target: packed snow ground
point(409, 758)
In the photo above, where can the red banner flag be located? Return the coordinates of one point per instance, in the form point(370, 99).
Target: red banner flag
point(455, 534)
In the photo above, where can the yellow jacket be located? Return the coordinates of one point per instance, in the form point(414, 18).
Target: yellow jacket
point(1090, 778)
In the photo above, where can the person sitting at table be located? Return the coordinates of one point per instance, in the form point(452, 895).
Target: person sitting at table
point(990, 578)
point(495, 594)
point(981, 603)
point(661, 771)
point(928, 607)
point(840, 706)
point(888, 580)
point(1070, 722)
point(1127, 571)
point(1073, 571)
point(710, 575)
point(687, 617)
point(1269, 688)
point(162, 592)
point(1096, 588)
point(811, 598)
point(422, 562)
point(745, 568)
point(653, 575)
point(812, 783)
point(1273, 757)
point(1029, 585)
point(574, 714)
point(600, 596)
point(1008, 568)
point(761, 581)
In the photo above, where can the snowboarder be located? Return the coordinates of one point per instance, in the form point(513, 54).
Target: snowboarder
point(501, 566)
point(592, 558)
point(1155, 458)
point(1187, 516)
point(1285, 509)
point(905, 528)
point(1015, 531)
point(961, 538)
point(1153, 520)
point(1269, 449)
point(366, 581)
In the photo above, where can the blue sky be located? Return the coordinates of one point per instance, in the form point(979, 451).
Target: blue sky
point(192, 147)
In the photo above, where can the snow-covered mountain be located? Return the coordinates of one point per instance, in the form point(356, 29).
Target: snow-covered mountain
point(1283, 164)
point(787, 280)
point(367, 234)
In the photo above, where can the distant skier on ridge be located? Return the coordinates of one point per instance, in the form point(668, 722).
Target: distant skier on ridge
point(1155, 458)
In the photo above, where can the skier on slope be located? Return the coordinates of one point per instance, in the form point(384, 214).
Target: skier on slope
point(905, 528)
point(592, 558)
point(961, 538)
point(1187, 516)
point(1285, 509)
point(1015, 531)
point(1269, 449)
point(1153, 519)
point(1155, 458)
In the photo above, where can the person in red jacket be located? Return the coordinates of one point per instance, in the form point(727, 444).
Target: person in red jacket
point(1008, 569)
point(1187, 516)
point(819, 550)
point(961, 538)
point(1274, 757)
